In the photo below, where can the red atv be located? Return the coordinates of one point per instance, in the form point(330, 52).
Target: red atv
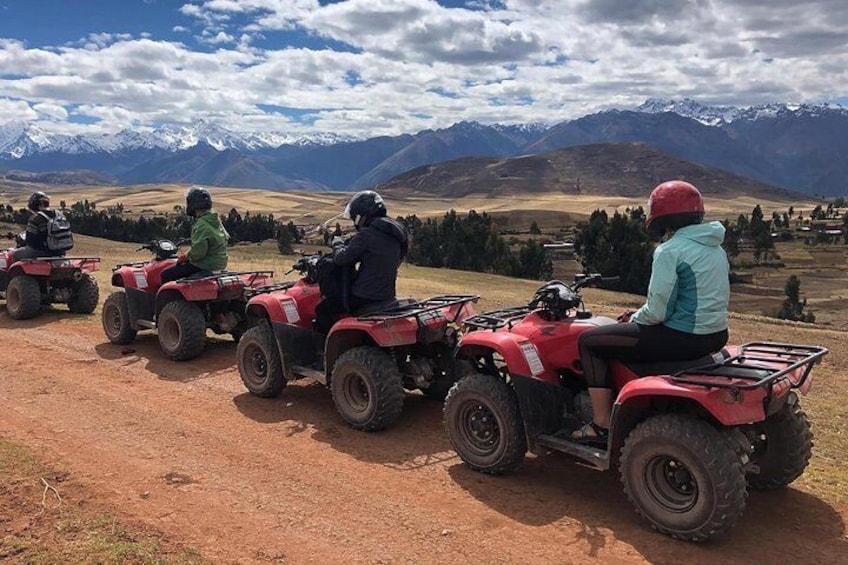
point(688, 437)
point(181, 310)
point(370, 357)
point(29, 284)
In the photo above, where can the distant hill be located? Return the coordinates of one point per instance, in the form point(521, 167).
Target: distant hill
point(65, 178)
point(203, 164)
point(617, 169)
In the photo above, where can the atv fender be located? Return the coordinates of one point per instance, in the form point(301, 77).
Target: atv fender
point(124, 277)
point(725, 406)
point(508, 346)
point(32, 268)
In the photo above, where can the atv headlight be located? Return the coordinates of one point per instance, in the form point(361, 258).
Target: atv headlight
point(532, 357)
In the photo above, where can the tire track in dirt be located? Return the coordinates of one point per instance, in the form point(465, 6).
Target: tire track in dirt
point(244, 479)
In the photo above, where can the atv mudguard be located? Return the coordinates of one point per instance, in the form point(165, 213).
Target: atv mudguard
point(729, 409)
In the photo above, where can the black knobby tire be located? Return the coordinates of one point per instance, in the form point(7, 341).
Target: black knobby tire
point(786, 448)
point(115, 317)
point(683, 477)
point(85, 297)
point(23, 297)
point(367, 388)
point(182, 330)
point(484, 424)
point(259, 362)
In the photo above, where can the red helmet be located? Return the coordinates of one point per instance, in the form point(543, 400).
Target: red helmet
point(674, 204)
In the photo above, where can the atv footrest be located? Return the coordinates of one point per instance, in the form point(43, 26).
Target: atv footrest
point(594, 456)
point(302, 372)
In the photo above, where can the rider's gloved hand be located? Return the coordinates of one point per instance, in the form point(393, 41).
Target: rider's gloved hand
point(182, 258)
point(337, 241)
point(625, 316)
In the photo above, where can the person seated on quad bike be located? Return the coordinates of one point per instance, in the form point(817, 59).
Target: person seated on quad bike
point(48, 233)
point(208, 239)
point(685, 316)
point(379, 246)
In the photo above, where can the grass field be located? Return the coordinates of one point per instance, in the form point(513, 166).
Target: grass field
point(318, 207)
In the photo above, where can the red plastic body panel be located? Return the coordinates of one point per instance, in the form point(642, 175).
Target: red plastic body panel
point(747, 406)
point(146, 277)
point(555, 342)
point(41, 268)
point(305, 298)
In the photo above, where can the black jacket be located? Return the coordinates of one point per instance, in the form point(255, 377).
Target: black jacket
point(379, 248)
point(36, 231)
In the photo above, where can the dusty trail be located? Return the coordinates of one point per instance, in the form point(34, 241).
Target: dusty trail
point(247, 480)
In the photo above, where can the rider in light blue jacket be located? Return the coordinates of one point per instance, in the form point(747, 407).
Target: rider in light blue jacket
point(690, 283)
point(685, 316)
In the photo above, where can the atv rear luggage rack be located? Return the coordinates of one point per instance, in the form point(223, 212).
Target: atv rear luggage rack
point(55, 259)
point(748, 366)
point(217, 276)
point(251, 292)
point(422, 307)
point(497, 319)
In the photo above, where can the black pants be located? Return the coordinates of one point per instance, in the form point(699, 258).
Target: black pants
point(634, 342)
point(28, 252)
point(179, 271)
point(331, 307)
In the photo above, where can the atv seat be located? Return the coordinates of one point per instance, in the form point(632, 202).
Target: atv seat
point(652, 368)
point(383, 305)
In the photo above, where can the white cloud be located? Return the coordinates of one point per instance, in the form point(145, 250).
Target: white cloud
point(506, 61)
point(51, 111)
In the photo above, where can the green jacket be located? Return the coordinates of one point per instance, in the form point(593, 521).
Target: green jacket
point(690, 287)
point(208, 243)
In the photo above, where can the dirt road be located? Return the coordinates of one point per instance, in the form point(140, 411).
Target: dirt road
point(182, 448)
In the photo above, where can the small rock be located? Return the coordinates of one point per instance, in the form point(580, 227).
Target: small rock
point(446, 532)
point(145, 495)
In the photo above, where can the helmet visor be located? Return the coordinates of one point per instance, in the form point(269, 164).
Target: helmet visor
point(346, 213)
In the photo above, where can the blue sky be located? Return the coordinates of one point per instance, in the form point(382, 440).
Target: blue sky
point(374, 67)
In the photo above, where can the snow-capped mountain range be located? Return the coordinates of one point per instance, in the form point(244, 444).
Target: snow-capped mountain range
point(720, 115)
point(20, 139)
point(803, 147)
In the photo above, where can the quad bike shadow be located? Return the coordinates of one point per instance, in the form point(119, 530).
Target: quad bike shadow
point(415, 441)
point(785, 524)
point(47, 316)
point(146, 352)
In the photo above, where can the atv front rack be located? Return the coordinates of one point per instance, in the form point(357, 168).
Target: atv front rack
point(416, 309)
point(753, 366)
point(251, 292)
point(497, 319)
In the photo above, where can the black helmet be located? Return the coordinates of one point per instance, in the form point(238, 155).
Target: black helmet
point(197, 198)
point(364, 207)
point(35, 199)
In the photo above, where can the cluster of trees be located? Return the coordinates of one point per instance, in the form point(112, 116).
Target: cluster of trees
point(472, 243)
point(755, 229)
point(617, 246)
point(793, 307)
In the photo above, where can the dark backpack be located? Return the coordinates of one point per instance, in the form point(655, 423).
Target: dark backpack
point(333, 280)
point(59, 236)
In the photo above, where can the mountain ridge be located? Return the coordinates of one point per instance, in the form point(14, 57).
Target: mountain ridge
point(794, 146)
